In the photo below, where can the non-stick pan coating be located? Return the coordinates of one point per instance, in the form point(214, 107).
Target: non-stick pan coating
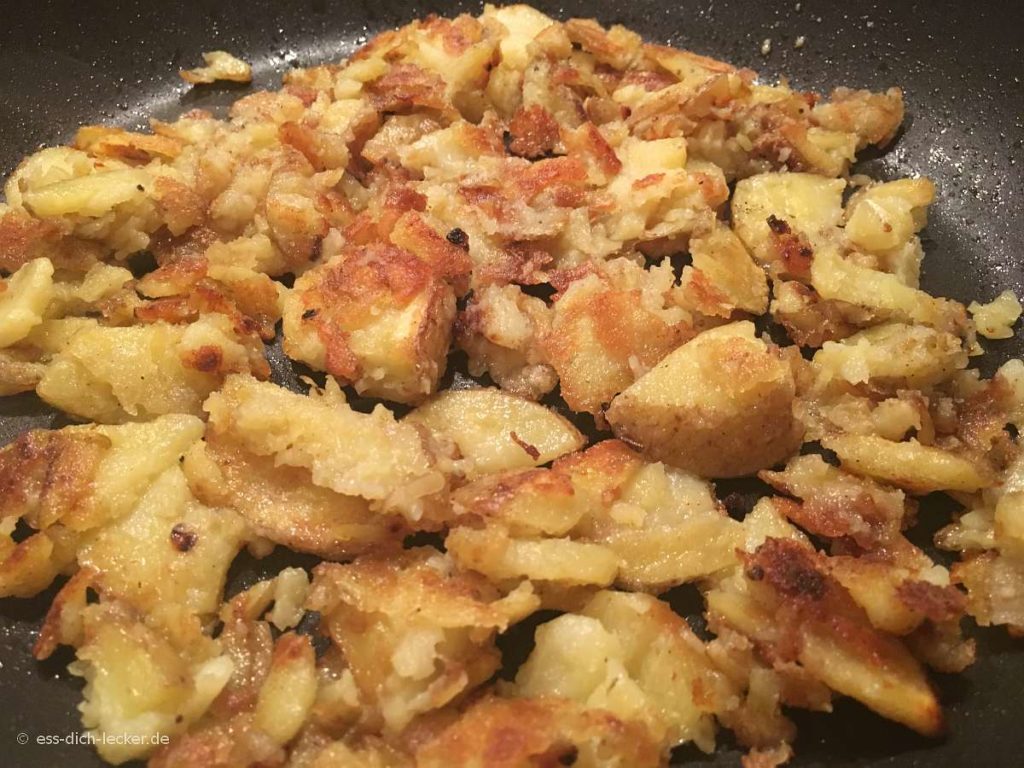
point(961, 65)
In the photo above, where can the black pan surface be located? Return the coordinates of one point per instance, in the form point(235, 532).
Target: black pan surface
point(66, 63)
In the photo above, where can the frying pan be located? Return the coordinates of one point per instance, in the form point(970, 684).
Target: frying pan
point(66, 63)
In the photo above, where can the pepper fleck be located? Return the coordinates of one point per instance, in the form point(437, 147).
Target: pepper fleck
point(183, 539)
point(458, 237)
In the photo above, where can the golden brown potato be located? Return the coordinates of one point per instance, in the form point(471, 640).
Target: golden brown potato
point(492, 552)
point(377, 318)
point(611, 326)
point(281, 503)
point(918, 468)
point(786, 600)
point(497, 431)
point(890, 357)
point(396, 469)
point(631, 655)
point(723, 277)
point(516, 732)
point(24, 299)
point(720, 406)
point(784, 218)
point(416, 632)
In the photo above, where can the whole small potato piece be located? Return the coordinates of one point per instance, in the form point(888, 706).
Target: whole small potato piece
point(720, 405)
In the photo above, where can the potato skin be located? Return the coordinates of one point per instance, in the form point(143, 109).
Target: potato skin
point(720, 406)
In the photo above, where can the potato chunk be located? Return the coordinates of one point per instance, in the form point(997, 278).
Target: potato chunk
point(777, 215)
point(611, 326)
point(395, 467)
point(136, 373)
point(723, 277)
point(141, 685)
point(497, 431)
point(169, 551)
point(918, 468)
point(282, 504)
point(519, 732)
point(416, 632)
point(891, 357)
point(631, 655)
point(377, 318)
point(721, 406)
point(24, 299)
point(220, 65)
point(786, 601)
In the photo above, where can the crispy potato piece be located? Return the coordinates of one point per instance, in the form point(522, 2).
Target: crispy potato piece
point(536, 502)
point(396, 468)
point(787, 601)
point(721, 406)
point(64, 483)
point(281, 503)
point(883, 217)
point(873, 117)
point(516, 732)
point(918, 468)
point(723, 277)
point(995, 320)
point(123, 374)
point(497, 431)
point(662, 526)
point(609, 327)
point(836, 504)
point(631, 655)
point(897, 600)
point(840, 279)
point(417, 633)
point(891, 357)
point(287, 695)
point(220, 65)
point(995, 585)
point(139, 684)
point(377, 318)
point(492, 552)
point(169, 557)
point(501, 330)
point(784, 218)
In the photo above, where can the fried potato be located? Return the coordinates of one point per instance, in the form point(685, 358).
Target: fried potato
point(396, 468)
point(122, 374)
point(523, 731)
point(497, 431)
point(377, 318)
point(631, 655)
point(609, 327)
point(891, 357)
point(169, 557)
point(67, 482)
point(24, 299)
point(917, 468)
point(416, 632)
point(720, 405)
point(840, 279)
point(492, 552)
point(220, 65)
point(784, 218)
point(995, 320)
point(882, 217)
point(788, 602)
point(723, 278)
point(137, 683)
point(281, 503)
